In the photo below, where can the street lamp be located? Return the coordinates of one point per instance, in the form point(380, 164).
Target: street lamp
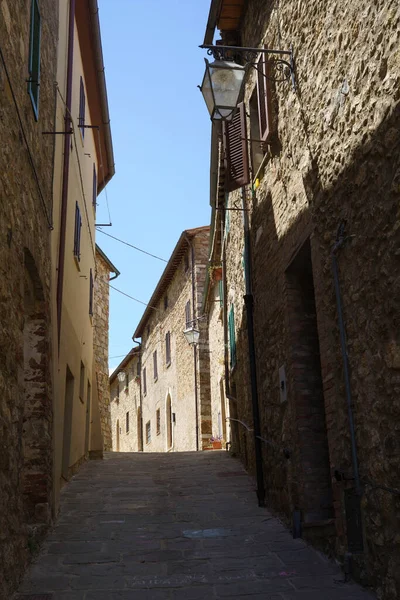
point(224, 79)
point(192, 336)
point(121, 376)
point(221, 88)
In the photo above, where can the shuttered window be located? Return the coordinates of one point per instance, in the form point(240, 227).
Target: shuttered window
point(187, 315)
point(158, 421)
point(168, 348)
point(144, 382)
point(232, 338)
point(127, 422)
point(34, 58)
point(263, 98)
point(82, 108)
point(77, 232)
point(91, 293)
point(94, 192)
point(155, 369)
point(236, 150)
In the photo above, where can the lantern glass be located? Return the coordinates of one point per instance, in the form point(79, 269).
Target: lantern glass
point(221, 87)
point(192, 336)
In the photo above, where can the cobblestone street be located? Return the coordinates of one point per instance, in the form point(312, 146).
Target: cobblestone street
point(175, 526)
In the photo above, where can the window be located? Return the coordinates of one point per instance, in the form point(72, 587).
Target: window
point(256, 145)
point(144, 382)
point(148, 432)
point(188, 315)
point(234, 133)
point(91, 294)
point(155, 371)
point(165, 302)
point(82, 383)
point(82, 107)
point(168, 348)
point(127, 422)
point(158, 421)
point(34, 58)
point(94, 192)
point(232, 339)
point(77, 233)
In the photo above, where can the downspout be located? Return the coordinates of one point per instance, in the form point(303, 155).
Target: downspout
point(340, 241)
point(249, 302)
point(196, 399)
point(67, 142)
point(140, 390)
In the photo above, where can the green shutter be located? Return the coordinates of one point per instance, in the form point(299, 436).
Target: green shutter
point(232, 339)
point(34, 58)
point(221, 292)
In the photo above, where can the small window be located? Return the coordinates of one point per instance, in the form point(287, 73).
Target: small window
point(34, 58)
point(165, 302)
point(77, 233)
point(158, 421)
point(127, 422)
point(232, 338)
point(155, 365)
point(91, 294)
point(188, 315)
point(148, 432)
point(94, 191)
point(144, 382)
point(82, 383)
point(168, 348)
point(82, 108)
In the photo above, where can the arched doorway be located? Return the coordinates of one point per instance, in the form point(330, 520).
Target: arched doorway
point(117, 436)
point(168, 414)
point(37, 410)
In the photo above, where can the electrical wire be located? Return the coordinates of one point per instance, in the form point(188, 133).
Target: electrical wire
point(131, 297)
point(48, 218)
point(102, 171)
point(132, 246)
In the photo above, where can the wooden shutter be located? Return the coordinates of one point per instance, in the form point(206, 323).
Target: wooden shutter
point(236, 150)
point(94, 194)
point(144, 382)
point(82, 106)
point(77, 232)
point(155, 372)
point(264, 98)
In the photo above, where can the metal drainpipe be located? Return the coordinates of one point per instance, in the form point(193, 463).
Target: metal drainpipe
point(340, 241)
point(67, 142)
point(140, 392)
point(249, 302)
point(196, 399)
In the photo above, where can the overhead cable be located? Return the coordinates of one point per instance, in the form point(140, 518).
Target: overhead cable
point(132, 246)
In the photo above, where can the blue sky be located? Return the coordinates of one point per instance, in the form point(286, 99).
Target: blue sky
point(161, 137)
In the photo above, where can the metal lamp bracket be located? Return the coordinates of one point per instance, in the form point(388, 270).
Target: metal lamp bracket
point(283, 60)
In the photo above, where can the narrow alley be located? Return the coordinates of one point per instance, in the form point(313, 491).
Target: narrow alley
point(175, 526)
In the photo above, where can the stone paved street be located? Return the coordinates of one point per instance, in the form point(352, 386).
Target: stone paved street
point(175, 526)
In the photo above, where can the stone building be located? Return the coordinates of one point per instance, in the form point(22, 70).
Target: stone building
point(101, 302)
point(125, 405)
point(51, 82)
point(314, 253)
point(175, 376)
point(26, 161)
point(83, 165)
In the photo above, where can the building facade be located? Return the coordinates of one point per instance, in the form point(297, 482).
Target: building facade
point(176, 410)
point(101, 298)
point(313, 254)
point(125, 405)
point(26, 205)
point(83, 164)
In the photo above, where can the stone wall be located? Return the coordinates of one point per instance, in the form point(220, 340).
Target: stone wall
point(25, 349)
point(101, 304)
point(335, 157)
point(125, 398)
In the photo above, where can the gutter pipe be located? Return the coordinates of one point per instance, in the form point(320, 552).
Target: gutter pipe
point(67, 142)
point(249, 303)
point(340, 241)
